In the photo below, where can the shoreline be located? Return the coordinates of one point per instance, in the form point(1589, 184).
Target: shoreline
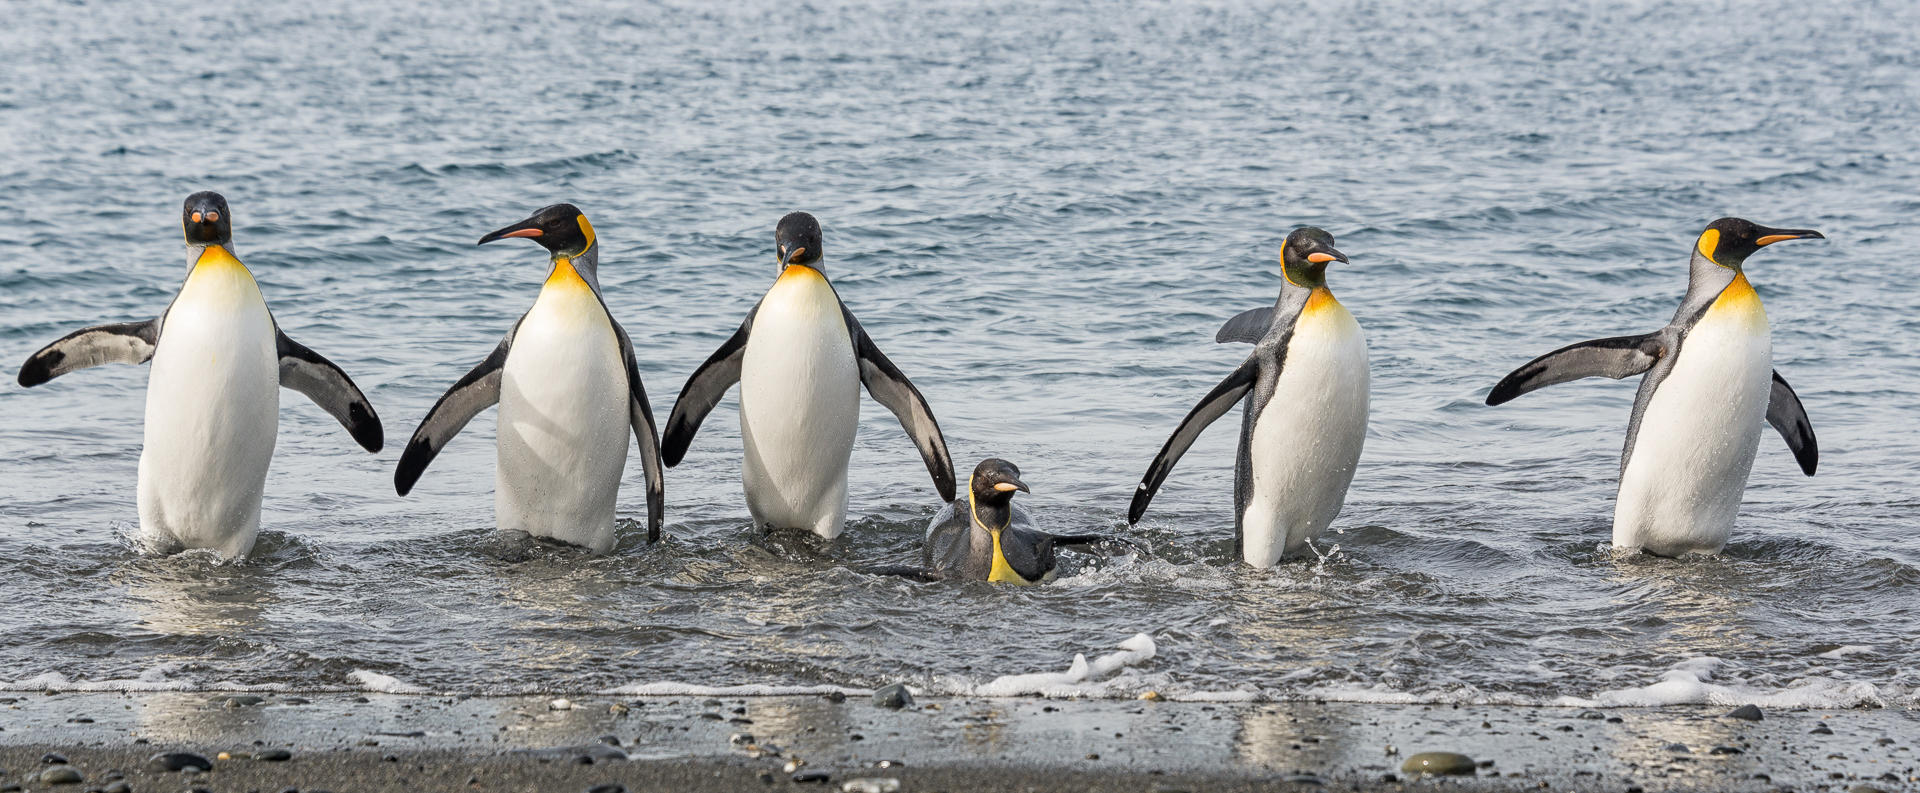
point(382, 742)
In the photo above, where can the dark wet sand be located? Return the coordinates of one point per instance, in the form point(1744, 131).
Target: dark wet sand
point(346, 742)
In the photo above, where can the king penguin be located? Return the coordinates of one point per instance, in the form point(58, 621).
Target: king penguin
point(985, 536)
point(569, 393)
point(800, 359)
point(213, 398)
point(1305, 387)
point(1696, 421)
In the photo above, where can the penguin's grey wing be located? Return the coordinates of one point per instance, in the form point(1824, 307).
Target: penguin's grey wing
point(945, 548)
point(122, 342)
point(1214, 405)
point(1617, 357)
point(1249, 326)
point(1786, 415)
point(1029, 552)
point(310, 373)
point(477, 391)
point(703, 390)
point(891, 388)
point(641, 416)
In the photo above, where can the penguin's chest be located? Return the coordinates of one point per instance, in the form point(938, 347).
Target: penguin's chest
point(1307, 437)
point(563, 410)
point(214, 391)
point(1699, 432)
point(799, 383)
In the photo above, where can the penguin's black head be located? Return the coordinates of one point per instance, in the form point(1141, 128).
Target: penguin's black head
point(205, 219)
point(560, 228)
point(797, 240)
point(995, 480)
point(1729, 241)
point(1305, 255)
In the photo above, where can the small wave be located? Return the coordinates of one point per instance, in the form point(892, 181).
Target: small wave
point(1690, 682)
point(383, 684)
point(1081, 680)
point(159, 678)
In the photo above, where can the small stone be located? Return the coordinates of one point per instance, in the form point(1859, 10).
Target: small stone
point(1093, 755)
point(793, 765)
point(1151, 696)
point(1389, 777)
point(178, 761)
point(1678, 748)
point(607, 788)
point(1725, 750)
point(117, 787)
point(560, 704)
point(1746, 713)
point(812, 777)
point(1592, 714)
point(766, 777)
point(1302, 779)
point(740, 738)
point(239, 701)
point(1392, 750)
point(228, 755)
point(610, 740)
point(53, 758)
point(885, 784)
point(1439, 763)
point(617, 709)
point(61, 775)
point(894, 696)
point(1821, 729)
point(582, 760)
point(273, 755)
point(836, 696)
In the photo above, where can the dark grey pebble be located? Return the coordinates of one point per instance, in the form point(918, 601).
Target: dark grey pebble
point(836, 696)
point(53, 758)
point(1822, 729)
point(79, 720)
point(1439, 763)
point(607, 788)
point(1303, 779)
point(388, 758)
point(1389, 778)
point(295, 701)
point(583, 760)
point(766, 777)
point(117, 787)
point(178, 761)
point(1592, 714)
point(289, 790)
point(61, 775)
point(610, 740)
point(1725, 750)
point(893, 695)
point(808, 777)
point(1746, 713)
point(273, 755)
point(1678, 748)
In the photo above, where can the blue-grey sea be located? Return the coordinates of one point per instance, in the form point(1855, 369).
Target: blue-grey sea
point(1041, 212)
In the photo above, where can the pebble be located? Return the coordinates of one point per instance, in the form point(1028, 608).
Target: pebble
point(61, 775)
point(1746, 713)
point(766, 777)
point(1151, 696)
point(1442, 763)
point(238, 701)
point(1725, 750)
point(560, 704)
point(1822, 729)
point(810, 777)
point(1678, 748)
point(117, 787)
point(740, 738)
point(177, 761)
point(53, 758)
point(273, 755)
point(885, 784)
point(893, 695)
point(1303, 779)
point(607, 788)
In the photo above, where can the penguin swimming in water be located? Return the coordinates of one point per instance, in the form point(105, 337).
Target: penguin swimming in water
point(1306, 388)
point(800, 359)
point(213, 398)
point(569, 393)
point(984, 536)
point(1696, 421)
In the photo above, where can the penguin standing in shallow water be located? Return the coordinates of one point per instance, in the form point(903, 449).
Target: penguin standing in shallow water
point(569, 393)
point(213, 399)
point(800, 359)
point(1696, 421)
point(984, 536)
point(1305, 387)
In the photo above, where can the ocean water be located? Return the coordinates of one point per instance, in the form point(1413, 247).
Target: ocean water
point(1041, 212)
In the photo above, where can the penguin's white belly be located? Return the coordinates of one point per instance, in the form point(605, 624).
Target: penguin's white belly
point(1307, 440)
point(799, 407)
point(1681, 489)
point(564, 420)
point(213, 409)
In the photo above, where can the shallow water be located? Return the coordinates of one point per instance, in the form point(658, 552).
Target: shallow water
point(1041, 215)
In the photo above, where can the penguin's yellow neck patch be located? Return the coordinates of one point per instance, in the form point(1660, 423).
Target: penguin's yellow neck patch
point(216, 257)
point(1738, 302)
point(563, 276)
point(1709, 242)
point(1003, 573)
point(799, 272)
point(1320, 300)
